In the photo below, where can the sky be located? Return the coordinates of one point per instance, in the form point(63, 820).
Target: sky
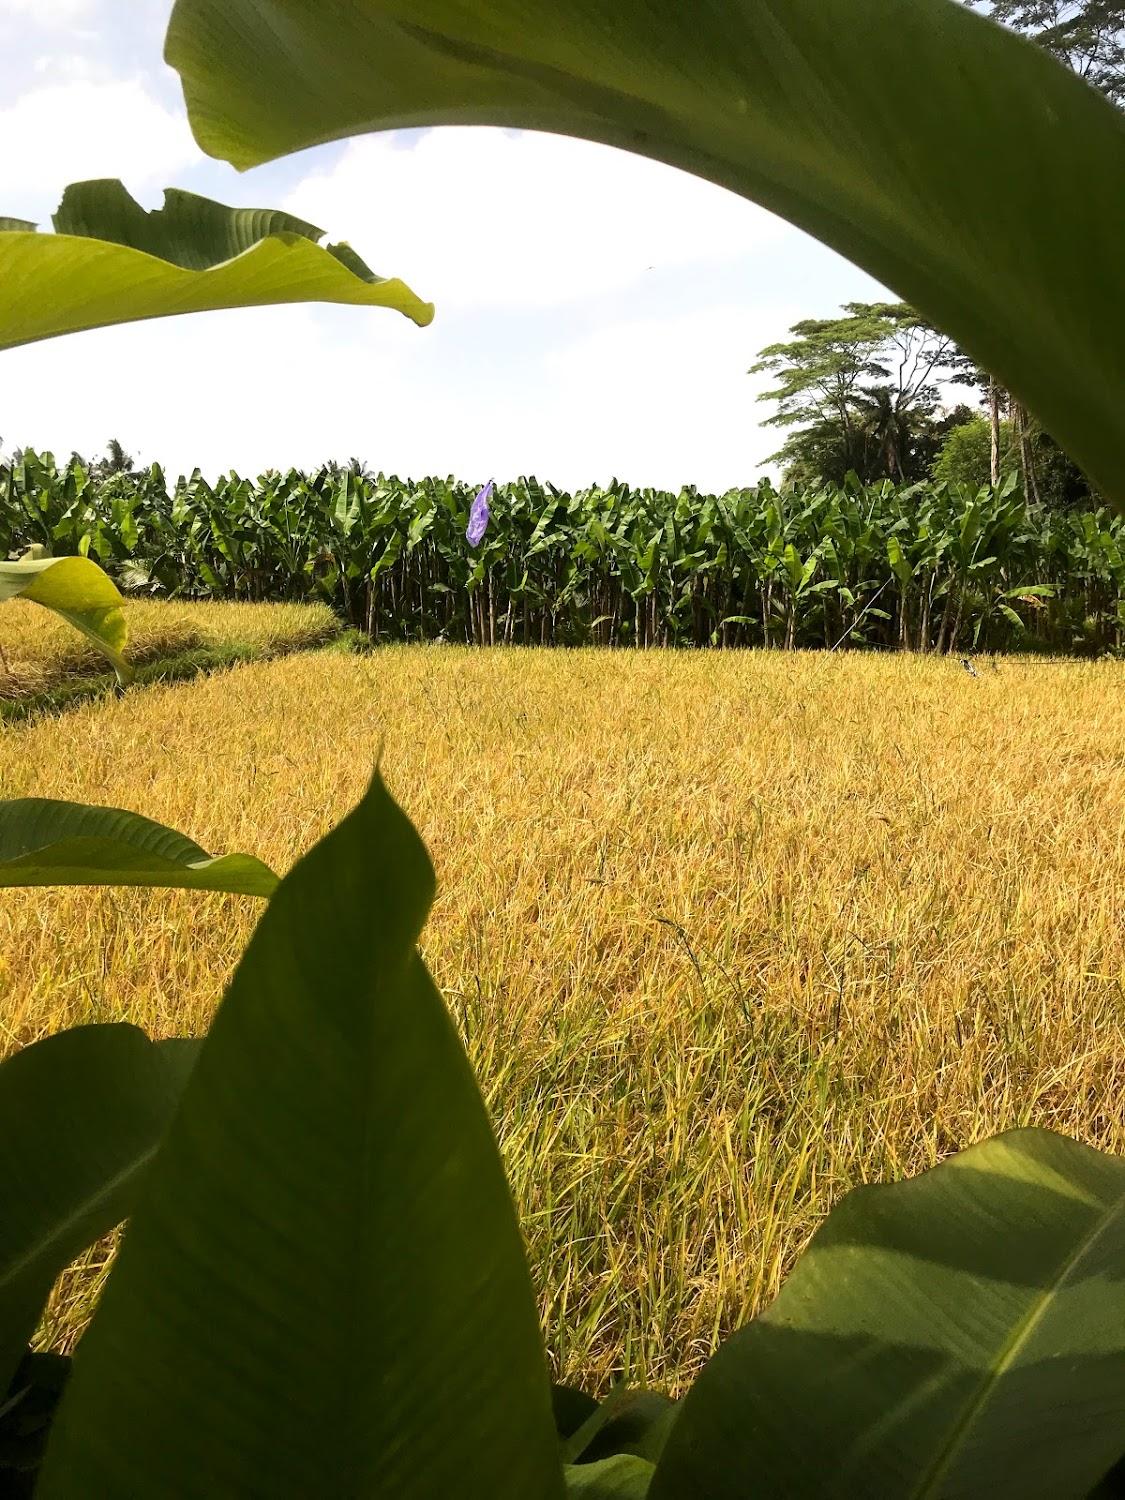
point(597, 313)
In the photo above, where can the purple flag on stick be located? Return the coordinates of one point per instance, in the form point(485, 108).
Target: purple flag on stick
point(478, 516)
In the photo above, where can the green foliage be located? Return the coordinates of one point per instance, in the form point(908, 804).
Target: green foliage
point(965, 456)
point(961, 166)
point(64, 843)
point(614, 566)
point(861, 392)
point(323, 1290)
point(945, 1350)
point(79, 591)
point(26, 1414)
point(110, 261)
point(630, 1422)
point(1087, 35)
point(116, 461)
point(618, 1478)
point(88, 1108)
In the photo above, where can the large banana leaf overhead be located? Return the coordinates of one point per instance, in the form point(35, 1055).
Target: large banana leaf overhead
point(110, 261)
point(956, 162)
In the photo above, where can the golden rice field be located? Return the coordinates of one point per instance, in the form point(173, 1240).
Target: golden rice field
point(38, 650)
point(727, 933)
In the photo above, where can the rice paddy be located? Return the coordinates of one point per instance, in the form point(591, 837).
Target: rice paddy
point(726, 933)
point(40, 652)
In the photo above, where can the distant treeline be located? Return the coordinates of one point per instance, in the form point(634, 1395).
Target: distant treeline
point(928, 567)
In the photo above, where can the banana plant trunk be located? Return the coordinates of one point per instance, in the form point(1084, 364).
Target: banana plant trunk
point(994, 430)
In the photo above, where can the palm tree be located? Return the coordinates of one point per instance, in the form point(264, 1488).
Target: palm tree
point(889, 427)
point(118, 462)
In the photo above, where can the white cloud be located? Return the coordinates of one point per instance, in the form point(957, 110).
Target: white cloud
point(655, 400)
point(663, 400)
point(48, 13)
point(72, 67)
point(252, 388)
point(66, 132)
point(476, 217)
point(557, 351)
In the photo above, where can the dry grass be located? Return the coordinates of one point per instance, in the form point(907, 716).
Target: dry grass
point(38, 651)
point(727, 934)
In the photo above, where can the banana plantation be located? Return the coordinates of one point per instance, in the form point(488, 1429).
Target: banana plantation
point(930, 567)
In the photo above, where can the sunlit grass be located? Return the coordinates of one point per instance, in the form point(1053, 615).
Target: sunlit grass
point(39, 651)
point(727, 933)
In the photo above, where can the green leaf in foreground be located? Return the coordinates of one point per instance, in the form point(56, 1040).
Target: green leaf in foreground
point(572, 1408)
point(26, 1413)
point(110, 261)
point(957, 163)
point(636, 1422)
point(81, 1116)
point(323, 1291)
point(622, 1477)
point(961, 1334)
point(43, 842)
point(618, 1478)
point(78, 590)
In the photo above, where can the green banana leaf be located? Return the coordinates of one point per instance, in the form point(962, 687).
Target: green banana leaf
point(111, 261)
point(622, 1477)
point(81, 1116)
point(957, 1335)
point(956, 162)
point(323, 1289)
point(635, 1422)
point(44, 842)
point(76, 589)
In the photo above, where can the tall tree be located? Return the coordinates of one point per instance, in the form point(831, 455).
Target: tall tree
point(1087, 35)
point(817, 375)
point(994, 398)
point(116, 461)
point(860, 392)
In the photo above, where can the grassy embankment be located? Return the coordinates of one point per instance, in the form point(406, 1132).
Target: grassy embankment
point(727, 934)
point(46, 665)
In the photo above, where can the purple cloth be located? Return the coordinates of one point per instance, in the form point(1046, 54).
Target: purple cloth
point(478, 516)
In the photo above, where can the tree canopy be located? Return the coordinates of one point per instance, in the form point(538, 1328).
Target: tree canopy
point(861, 392)
point(1087, 35)
point(872, 392)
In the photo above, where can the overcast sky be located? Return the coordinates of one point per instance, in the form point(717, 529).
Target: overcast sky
point(596, 312)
